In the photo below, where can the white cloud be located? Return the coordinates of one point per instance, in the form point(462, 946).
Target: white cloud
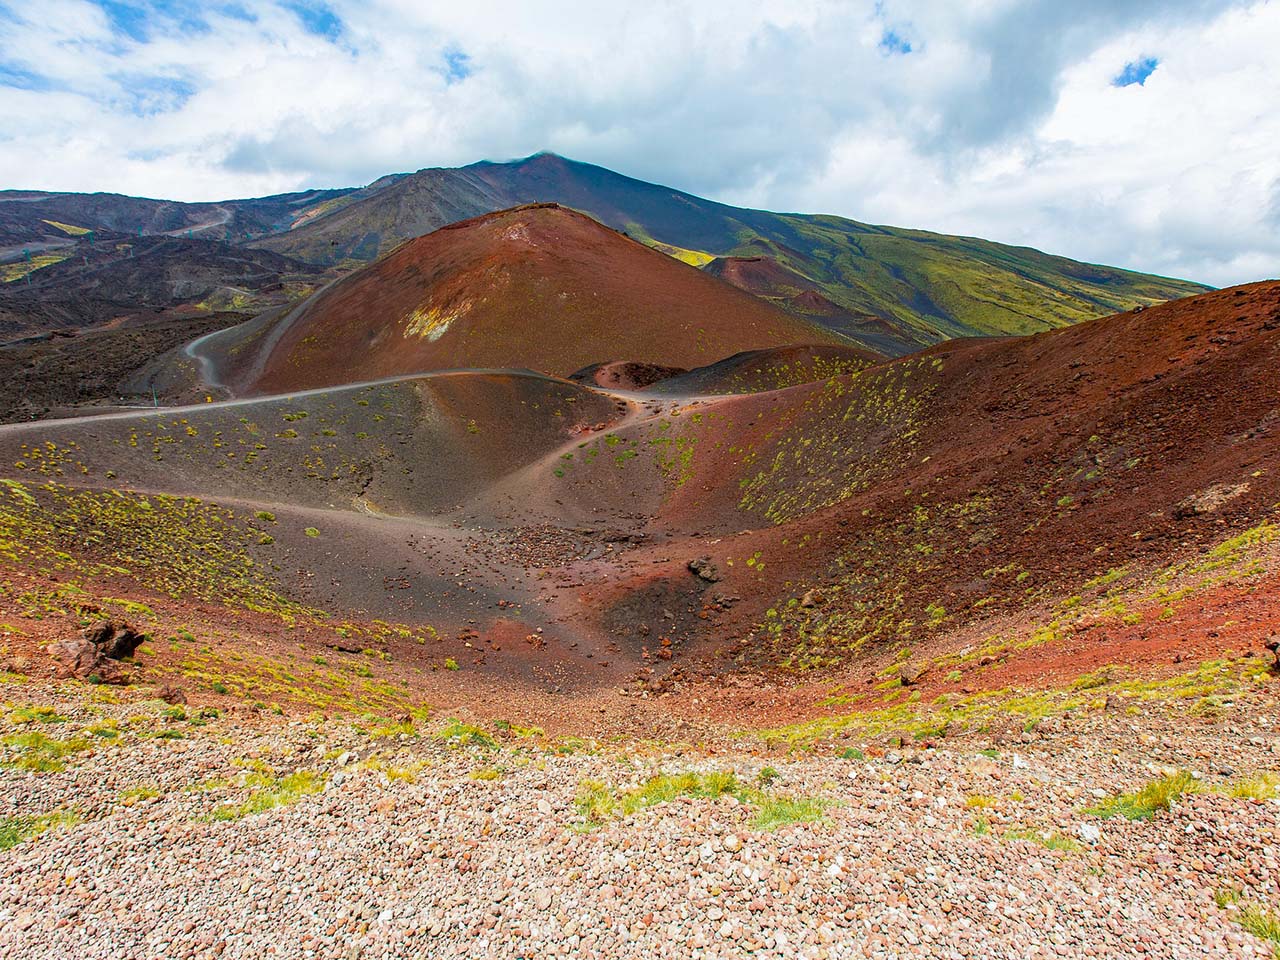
point(1002, 121)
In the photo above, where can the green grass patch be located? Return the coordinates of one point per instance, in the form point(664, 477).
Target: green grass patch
point(42, 754)
point(14, 830)
point(1259, 786)
point(778, 812)
point(147, 792)
point(1252, 917)
point(598, 803)
point(459, 734)
point(267, 792)
point(1050, 840)
point(1145, 803)
point(33, 714)
point(1262, 923)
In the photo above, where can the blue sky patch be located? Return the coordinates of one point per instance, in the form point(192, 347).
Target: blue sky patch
point(139, 19)
point(318, 18)
point(146, 96)
point(457, 65)
point(1135, 71)
point(12, 75)
point(127, 18)
point(894, 43)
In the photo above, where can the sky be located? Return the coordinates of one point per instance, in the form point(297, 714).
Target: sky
point(1140, 133)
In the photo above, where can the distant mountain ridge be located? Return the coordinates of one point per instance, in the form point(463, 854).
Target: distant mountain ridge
point(910, 288)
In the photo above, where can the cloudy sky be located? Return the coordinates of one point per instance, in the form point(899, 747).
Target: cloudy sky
point(1135, 132)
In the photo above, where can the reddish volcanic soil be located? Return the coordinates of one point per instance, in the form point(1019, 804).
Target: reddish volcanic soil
point(625, 374)
point(537, 287)
point(557, 535)
point(795, 293)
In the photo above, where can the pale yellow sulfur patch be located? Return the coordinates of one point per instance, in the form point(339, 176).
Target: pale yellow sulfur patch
point(432, 322)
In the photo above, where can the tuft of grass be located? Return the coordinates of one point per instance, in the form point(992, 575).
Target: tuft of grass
point(311, 532)
point(598, 803)
point(1259, 786)
point(42, 754)
point(457, 733)
point(267, 793)
point(981, 801)
point(1050, 840)
point(405, 774)
point(1226, 896)
point(14, 830)
point(36, 714)
point(1262, 923)
point(146, 792)
point(778, 812)
point(1252, 917)
point(1154, 797)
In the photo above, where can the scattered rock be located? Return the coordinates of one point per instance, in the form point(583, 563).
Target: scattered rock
point(114, 640)
point(1088, 832)
point(1209, 499)
point(172, 694)
point(97, 652)
point(705, 569)
point(911, 672)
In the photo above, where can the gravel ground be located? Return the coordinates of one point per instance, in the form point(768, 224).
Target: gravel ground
point(405, 852)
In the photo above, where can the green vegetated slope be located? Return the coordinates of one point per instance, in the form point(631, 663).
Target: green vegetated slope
point(929, 287)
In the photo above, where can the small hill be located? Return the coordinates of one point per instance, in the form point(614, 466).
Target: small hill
point(624, 374)
point(538, 287)
point(759, 371)
point(979, 477)
point(926, 287)
point(767, 279)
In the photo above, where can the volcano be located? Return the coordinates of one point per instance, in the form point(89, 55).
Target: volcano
point(537, 287)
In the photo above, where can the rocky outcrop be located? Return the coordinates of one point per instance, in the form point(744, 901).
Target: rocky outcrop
point(97, 653)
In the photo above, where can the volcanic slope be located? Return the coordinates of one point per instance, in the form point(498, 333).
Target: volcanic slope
point(329, 505)
point(1117, 469)
point(537, 287)
point(888, 508)
point(112, 280)
point(897, 503)
point(34, 219)
point(925, 286)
